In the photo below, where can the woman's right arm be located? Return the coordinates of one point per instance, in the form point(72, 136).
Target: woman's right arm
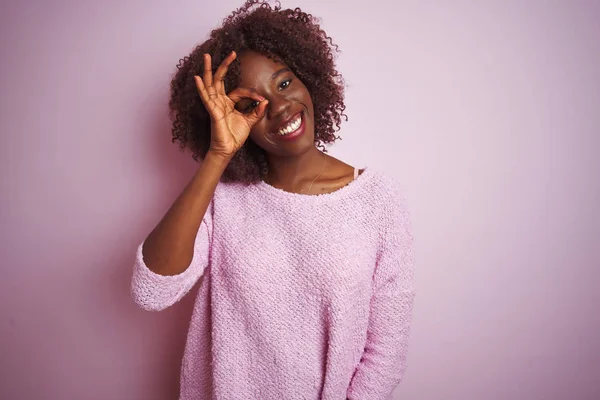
point(169, 248)
point(176, 252)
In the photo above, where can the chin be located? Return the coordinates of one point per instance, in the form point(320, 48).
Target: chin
point(294, 149)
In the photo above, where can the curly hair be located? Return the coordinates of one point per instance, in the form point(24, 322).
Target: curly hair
point(289, 36)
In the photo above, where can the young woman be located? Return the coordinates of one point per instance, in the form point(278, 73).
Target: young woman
point(306, 261)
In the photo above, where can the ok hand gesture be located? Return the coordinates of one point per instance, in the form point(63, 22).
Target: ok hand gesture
point(229, 127)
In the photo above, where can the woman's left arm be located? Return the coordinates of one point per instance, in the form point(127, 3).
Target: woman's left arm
point(384, 359)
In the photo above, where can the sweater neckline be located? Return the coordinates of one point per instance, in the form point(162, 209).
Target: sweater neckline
point(345, 190)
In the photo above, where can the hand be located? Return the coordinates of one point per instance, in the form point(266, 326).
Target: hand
point(230, 128)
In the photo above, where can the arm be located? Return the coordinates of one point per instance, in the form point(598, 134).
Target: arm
point(384, 359)
point(175, 254)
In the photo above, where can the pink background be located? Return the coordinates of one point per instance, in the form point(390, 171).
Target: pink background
point(488, 112)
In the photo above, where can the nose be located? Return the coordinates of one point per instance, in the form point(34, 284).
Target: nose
point(278, 105)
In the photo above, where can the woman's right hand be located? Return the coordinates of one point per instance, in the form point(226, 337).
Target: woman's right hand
point(230, 128)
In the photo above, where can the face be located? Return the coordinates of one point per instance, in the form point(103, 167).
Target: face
point(287, 129)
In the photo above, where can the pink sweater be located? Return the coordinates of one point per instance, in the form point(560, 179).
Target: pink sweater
point(302, 297)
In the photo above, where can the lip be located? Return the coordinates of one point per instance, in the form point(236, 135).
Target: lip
point(298, 132)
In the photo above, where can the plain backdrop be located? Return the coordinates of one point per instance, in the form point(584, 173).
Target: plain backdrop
point(488, 113)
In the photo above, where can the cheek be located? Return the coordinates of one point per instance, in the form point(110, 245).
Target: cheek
point(306, 98)
point(259, 129)
point(258, 134)
point(305, 91)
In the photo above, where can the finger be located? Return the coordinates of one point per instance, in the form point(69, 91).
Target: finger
point(240, 93)
point(261, 109)
point(202, 91)
point(222, 71)
point(207, 78)
point(258, 113)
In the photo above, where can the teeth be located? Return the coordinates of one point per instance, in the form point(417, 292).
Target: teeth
point(291, 127)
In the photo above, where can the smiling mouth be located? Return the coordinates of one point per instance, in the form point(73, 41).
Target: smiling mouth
point(291, 127)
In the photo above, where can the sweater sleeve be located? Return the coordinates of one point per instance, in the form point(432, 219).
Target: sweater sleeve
point(154, 292)
point(384, 358)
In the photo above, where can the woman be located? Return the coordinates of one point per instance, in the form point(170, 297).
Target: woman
point(306, 261)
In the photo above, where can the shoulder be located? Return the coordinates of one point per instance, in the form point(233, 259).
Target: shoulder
point(386, 192)
point(387, 199)
point(228, 191)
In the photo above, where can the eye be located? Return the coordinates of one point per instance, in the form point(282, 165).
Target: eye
point(246, 107)
point(285, 84)
point(251, 106)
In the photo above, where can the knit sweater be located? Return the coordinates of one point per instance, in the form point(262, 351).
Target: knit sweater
point(302, 296)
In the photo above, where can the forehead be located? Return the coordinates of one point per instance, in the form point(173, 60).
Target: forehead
point(257, 69)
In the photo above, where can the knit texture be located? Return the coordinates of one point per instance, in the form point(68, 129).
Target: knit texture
point(302, 297)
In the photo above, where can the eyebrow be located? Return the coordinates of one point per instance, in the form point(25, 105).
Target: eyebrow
point(279, 72)
point(275, 75)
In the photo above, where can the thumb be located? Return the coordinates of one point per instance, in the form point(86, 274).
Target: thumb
point(258, 113)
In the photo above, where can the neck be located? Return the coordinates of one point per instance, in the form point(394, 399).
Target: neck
point(293, 172)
